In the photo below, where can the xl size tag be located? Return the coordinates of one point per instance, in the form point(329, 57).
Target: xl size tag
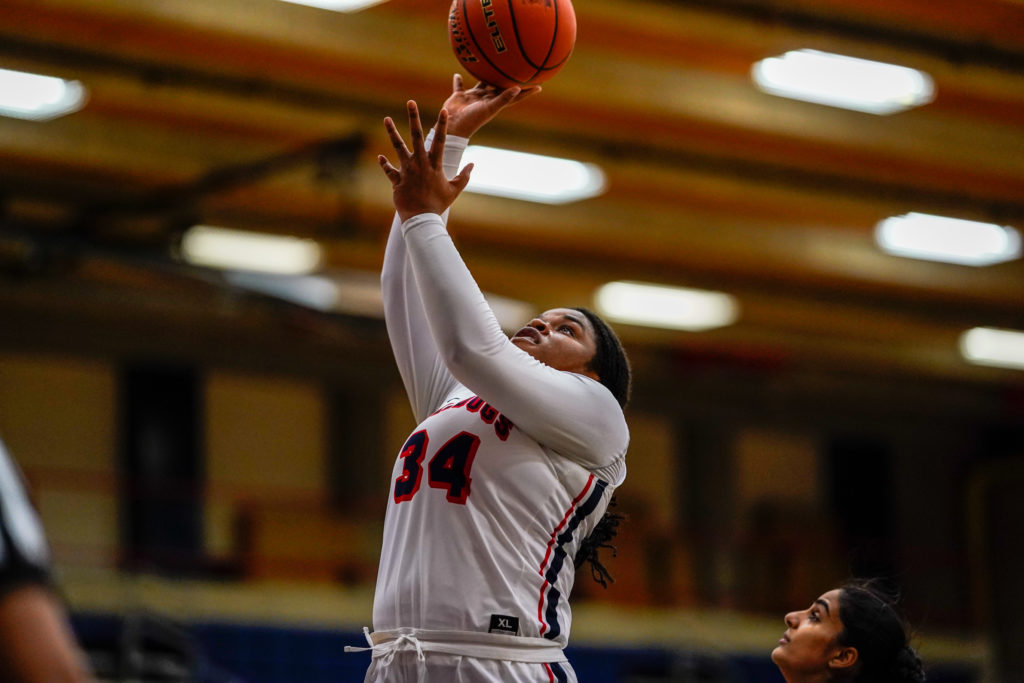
point(504, 624)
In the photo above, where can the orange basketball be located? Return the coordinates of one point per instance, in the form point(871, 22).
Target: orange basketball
point(512, 42)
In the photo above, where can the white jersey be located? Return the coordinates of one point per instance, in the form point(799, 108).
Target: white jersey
point(511, 466)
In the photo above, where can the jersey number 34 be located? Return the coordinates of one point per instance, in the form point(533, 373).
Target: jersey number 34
point(447, 470)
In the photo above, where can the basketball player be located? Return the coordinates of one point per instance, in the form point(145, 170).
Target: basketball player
point(851, 634)
point(519, 446)
point(36, 641)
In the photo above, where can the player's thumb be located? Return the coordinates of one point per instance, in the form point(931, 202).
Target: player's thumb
point(460, 181)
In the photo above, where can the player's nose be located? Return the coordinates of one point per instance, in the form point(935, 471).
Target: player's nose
point(539, 325)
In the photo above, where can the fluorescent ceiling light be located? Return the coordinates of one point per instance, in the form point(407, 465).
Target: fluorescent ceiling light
point(532, 177)
point(847, 82)
point(38, 98)
point(354, 292)
point(349, 292)
point(338, 5)
point(951, 240)
point(215, 247)
point(674, 308)
point(990, 346)
point(311, 291)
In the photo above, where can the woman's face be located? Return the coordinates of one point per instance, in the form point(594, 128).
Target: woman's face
point(810, 649)
point(562, 338)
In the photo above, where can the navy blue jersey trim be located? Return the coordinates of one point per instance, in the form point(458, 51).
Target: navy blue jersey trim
point(558, 557)
point(559, 672)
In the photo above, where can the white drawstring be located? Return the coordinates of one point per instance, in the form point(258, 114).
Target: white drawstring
point(366, 634)
point(389, 648)
point(406, 638)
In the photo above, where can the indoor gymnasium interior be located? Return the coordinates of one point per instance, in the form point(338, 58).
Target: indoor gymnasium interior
point(208, 440)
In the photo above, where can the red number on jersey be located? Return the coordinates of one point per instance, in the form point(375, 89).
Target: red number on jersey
point(408, 483)
point(448, 469)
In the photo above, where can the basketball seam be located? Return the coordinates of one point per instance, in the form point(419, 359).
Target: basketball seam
point(519, 41)
point(554, 38)
point(543, 66)
point(480, 50)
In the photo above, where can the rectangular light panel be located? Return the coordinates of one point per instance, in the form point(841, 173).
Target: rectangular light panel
point(216, 247)
point(338, 5)
point(846, 82)
point(38, 98)
point(532, 177)
point(311, 291)
point(354, 292)
point(950, 240)
point(995, 347)
point(674, 308)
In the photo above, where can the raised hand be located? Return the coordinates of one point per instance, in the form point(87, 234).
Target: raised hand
point(469, 110)
point(419, 184)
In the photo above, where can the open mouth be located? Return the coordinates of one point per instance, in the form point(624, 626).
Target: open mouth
point(529, 333)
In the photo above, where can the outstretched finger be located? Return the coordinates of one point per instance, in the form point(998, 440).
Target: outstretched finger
point(526, 92)
point(460, 181)
point(393, 174)
point(396, 139)
point(436, 153)
point(506, 97)
point(415, 128)
point(457, 85)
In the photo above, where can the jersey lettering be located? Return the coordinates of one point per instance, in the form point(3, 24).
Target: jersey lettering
point(503, 426)
point(474, 404)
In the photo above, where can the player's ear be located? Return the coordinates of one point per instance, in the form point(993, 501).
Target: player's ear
point(842, 659)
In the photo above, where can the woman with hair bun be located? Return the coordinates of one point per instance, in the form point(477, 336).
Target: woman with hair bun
point(851, 634)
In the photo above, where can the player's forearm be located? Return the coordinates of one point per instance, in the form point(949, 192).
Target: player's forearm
point(419, 363)
point(461, 322)
point(400, 317)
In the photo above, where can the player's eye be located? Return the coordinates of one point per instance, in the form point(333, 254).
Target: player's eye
point(566, 329)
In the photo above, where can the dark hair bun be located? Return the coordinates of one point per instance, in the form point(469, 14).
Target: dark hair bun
point(873, 625)
point(908, 667)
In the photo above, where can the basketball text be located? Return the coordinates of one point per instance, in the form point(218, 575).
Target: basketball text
point(458, 38)
point(492, 24)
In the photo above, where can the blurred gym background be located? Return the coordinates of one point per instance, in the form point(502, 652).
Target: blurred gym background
point(209, 443)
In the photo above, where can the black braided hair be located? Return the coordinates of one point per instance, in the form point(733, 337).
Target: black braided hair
point(611, 364)
point(610, 361)
point(604, 531)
